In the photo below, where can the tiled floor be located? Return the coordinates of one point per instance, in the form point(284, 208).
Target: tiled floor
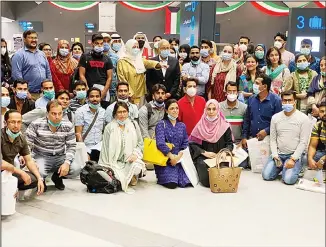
point(260, 214)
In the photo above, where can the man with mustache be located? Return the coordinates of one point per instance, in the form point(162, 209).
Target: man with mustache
point(30, 64)
point(196, 71)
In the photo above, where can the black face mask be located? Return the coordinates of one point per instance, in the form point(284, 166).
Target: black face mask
point(141, 43)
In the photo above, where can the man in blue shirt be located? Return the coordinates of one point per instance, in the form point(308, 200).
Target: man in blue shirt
point(305, 49)
point(30, 64)
point(261, 108)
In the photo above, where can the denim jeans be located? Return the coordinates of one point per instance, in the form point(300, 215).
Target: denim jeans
point(317, 157)
point(289, 176)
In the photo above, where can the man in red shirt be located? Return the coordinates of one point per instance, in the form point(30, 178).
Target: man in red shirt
point(191, 106)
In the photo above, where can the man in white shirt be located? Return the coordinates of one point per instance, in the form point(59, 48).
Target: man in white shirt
point(289, 135)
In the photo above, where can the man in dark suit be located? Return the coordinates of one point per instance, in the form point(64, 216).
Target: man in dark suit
point(168, 75)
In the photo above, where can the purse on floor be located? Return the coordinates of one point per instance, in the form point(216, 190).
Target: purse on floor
point(151, 153)
point(225, 179)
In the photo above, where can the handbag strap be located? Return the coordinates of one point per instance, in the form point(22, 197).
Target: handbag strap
point(221, 155)
point(90, 126)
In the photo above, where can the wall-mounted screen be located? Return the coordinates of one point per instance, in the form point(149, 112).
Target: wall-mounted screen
point(28, 25)
point(315, 43)
point(189, 22)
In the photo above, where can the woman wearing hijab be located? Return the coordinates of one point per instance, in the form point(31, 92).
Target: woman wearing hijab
point(224, 71)
point(183, 54)
point(125, 154)
point(64, 66)
point(211, 134)
point(131, 68)
point(260, 52)
point(238, 56)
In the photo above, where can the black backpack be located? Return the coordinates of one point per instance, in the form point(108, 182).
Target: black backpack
point(95, 182)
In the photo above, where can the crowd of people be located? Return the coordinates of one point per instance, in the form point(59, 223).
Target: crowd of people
point(114, 96)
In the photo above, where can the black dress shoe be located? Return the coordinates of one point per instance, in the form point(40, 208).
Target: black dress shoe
point(58, 183)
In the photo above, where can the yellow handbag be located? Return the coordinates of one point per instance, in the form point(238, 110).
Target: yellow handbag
point(152, 154)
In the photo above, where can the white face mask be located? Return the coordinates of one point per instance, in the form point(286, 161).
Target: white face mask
point(156, 44)
point(192, 91)
point(183, 55)
point(3, 51)
point(278, 44)
point(211, 119)
point(232, 97)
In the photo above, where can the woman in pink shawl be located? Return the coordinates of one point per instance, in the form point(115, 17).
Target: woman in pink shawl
point(211, 134)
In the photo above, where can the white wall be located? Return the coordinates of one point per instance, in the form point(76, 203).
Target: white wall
point(8, 29)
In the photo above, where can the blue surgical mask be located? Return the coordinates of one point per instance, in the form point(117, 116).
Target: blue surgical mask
point(116, 46)
point(98, 49)
point(255, 89)
point(76, 56)
point(302, 66)
point(305, 51)
point(204, 53)
point(226, 56)
point(172, 118)
point(121, 122)
point(5, 101)
point(135, 51)
point(49, 94)
point(11, 134)
point(21, 94)
point(165, 53)
point(158, 104)
point(93, 106)
point(106, 47)
point(287, 107)
point(54, 124)
point(195, 62)
point(81, 94)
point(259, 54)
point(63, 52)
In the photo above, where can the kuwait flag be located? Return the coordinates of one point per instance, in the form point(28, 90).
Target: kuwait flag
point(172, 20)
point(234, 120)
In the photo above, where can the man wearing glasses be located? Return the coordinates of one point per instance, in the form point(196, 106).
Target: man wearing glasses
point(30, 64)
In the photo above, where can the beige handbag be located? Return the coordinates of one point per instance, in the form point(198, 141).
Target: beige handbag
point(224, 180)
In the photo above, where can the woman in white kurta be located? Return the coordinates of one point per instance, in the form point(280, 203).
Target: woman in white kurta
point(122, 148)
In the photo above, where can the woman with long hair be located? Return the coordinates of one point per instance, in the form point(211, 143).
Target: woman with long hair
point(317, 90)
point(172, 131)
point(183, 54)
point(5, 63)
point(64, 66)
point(276, 70)
point(247, 79)
point(300, 81)
point(77, 49)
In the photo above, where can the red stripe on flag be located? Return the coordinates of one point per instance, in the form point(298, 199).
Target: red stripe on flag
point(167, 21)
point(267, 11)
point(236, 123)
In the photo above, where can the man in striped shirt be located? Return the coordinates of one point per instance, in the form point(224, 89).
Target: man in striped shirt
point(233, 110)
point(53, 144)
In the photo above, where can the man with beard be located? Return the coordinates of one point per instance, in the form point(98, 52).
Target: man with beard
point(196, 71)
point(143, 44)
point(122, 96)
point(30, 64)
point(317, 146)
point(153, 112)
point(95, 69)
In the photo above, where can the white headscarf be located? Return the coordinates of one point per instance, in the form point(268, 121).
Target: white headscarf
point(146, 45)
point(116, 36)
point(136, 61)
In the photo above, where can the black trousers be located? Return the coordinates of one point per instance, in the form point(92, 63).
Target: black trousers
point(202, 170)
point(21, 185)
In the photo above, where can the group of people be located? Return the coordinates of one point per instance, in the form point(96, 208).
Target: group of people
point(114, 96)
